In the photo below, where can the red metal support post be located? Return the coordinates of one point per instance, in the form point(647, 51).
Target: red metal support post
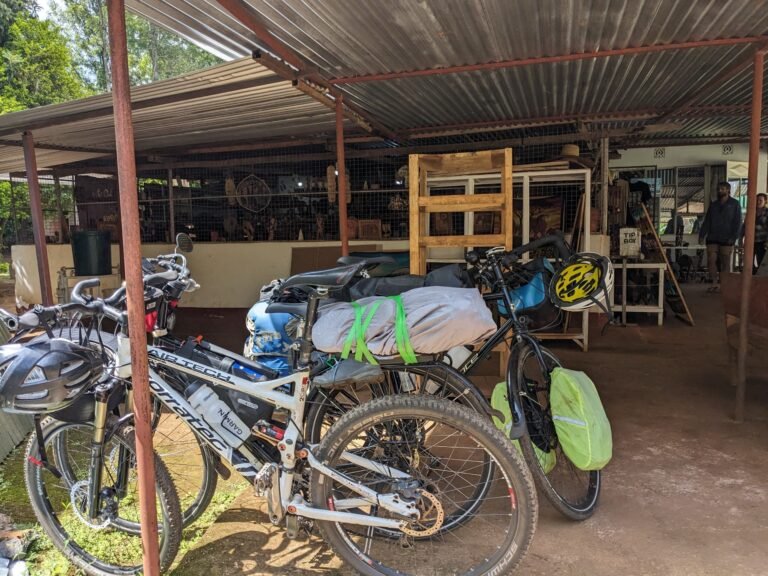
point(342, 180)
point(38, 224)
point(749, 236)
point(129, 219)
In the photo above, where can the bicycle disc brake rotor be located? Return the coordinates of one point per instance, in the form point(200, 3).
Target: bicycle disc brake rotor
point(79, 497)
point(432, 516)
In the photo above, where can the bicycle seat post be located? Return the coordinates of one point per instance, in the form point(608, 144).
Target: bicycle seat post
point(305, 345)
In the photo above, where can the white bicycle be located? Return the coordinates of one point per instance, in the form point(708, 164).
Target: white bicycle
point(385, 486)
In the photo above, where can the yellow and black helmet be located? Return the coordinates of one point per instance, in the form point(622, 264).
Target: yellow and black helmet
point(584, 280)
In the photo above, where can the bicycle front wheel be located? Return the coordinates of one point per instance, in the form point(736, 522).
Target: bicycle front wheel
point(109, 544)
point(439, 450)
point(572, 492)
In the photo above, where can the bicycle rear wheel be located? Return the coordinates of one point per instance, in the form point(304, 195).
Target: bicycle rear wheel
point(442, 448)
point(573, 492)
point(429, 380)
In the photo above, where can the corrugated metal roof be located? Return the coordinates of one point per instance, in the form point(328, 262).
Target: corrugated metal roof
point(340, 38)
point(367, 36)
point(343, 39)
point(270, 108)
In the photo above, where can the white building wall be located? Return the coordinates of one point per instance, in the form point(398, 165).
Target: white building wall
point(230, 274)
point(679, 156)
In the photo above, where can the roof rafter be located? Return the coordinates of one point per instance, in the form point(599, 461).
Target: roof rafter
point(501, 64)
point(306, 78)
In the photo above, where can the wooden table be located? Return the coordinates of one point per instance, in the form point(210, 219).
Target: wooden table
point(658, 308)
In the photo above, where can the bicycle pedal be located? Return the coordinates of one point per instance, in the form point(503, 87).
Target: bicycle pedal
point(262, 482)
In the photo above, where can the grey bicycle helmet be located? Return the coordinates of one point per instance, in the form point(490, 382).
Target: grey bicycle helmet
point(46, 376)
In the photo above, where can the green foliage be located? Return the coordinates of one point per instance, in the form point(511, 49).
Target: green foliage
point(36, 66)
point(9, 11)
point(153, 54)
point(39, 64)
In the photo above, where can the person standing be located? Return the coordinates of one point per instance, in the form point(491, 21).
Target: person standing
point(761, 230)
point(720, 230)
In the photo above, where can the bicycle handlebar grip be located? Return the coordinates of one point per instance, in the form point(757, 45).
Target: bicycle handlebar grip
point(29, 320)
point(80, 286)
point(11, 320)
point(116, 297)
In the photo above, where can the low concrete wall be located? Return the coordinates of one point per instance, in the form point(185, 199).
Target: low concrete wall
point(230, 274)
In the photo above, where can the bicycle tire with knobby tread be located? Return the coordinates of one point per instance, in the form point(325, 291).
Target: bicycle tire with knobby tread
point(439, 410)
point(166, 492)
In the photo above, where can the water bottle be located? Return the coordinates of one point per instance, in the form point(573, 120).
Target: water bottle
point(219, 416)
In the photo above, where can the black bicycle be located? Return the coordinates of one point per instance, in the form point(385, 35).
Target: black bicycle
point(573, 492)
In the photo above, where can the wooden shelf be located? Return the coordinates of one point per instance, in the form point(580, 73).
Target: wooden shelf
point(463, 241)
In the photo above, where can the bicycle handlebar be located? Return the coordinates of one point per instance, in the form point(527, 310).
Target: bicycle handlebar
point(557, 240)
point(93, 306)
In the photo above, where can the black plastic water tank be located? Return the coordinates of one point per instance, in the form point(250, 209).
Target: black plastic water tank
point(92, 253)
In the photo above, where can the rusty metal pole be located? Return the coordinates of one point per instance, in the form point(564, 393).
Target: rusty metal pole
point(171, 208)
point(38, 224)
point(129, 221)
point(749, 236)
point(341, 168)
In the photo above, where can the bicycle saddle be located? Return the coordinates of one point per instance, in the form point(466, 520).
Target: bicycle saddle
point(331, 278)
point(349, 260)
point(295, 308)
point(348, 373)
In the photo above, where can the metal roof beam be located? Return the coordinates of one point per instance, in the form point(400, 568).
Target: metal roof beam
point(106, 108)
point(305, 75)
point(501, 64)
point(58, 148)
point(692, 96)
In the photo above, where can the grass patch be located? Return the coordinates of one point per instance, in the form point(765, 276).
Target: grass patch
point(45, 560)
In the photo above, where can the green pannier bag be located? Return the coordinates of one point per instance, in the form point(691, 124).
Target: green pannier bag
point(582, 427)
point(500, 402)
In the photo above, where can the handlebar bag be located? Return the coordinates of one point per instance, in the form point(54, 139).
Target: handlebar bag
point(531, 298)
point(582, 426)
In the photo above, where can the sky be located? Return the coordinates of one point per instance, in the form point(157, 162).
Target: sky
point(44, 8)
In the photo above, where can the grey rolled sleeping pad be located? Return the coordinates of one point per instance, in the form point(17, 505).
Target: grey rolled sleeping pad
point(438, 319)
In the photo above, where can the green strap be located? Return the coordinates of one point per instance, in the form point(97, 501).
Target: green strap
point(362, 348)
point(357, 333)
point(402, 339)
point(351, 337)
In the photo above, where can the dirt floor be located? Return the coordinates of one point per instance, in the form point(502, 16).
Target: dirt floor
point(686, 492)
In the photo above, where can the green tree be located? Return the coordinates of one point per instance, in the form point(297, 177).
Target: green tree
point(36, 67)
point(153, 53)
point(9, 11)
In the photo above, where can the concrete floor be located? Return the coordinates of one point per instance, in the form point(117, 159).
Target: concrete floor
point(685, 495)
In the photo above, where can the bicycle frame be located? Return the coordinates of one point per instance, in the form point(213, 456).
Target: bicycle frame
point(248, 463)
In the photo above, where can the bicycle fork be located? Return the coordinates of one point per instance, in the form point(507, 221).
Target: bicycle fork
point(101, 397)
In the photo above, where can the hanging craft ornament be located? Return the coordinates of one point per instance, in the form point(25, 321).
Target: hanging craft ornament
point(253, 194)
